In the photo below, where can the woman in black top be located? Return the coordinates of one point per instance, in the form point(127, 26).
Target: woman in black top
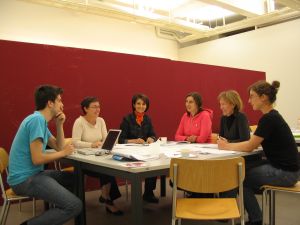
point(273, 133)
point(234, 125)
point(137, 128)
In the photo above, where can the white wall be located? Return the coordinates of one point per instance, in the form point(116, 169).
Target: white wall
point(274, 50)
point(34, 23)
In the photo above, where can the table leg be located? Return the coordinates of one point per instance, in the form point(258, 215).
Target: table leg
point(80, 192)
point(136, 201)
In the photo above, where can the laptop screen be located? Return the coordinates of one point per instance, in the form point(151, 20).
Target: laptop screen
point(111, 139)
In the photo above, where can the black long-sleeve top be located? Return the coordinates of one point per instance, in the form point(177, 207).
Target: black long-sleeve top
point(235, 128)
point(132, 130)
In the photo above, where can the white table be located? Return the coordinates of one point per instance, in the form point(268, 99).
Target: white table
point(106, 165)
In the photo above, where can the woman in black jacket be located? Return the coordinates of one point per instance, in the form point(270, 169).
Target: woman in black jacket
point(137, 128)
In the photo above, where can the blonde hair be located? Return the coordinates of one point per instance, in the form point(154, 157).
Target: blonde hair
point(233, 98)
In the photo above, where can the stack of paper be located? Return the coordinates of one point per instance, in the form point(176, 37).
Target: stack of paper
point(140, 152)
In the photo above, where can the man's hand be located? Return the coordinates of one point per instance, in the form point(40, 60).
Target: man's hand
point(60, 118)
point(68, 149)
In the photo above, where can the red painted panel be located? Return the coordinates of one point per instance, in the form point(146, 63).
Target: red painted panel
point(114, 78)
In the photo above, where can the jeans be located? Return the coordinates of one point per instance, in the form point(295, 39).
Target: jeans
point(259, 176)
point(49, 185)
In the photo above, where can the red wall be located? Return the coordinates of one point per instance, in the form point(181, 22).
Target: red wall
point(114, 78)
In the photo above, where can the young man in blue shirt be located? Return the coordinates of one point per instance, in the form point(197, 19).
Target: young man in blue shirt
point(27, 158)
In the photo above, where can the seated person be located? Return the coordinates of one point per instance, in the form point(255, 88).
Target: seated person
point(137, 128)
point(234, 125)
point(27, 158)
point(89, 131)
point(195, 124)
point(281, 166)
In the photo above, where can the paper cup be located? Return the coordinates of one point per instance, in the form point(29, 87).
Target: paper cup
point(185, 152)
point(163, 140)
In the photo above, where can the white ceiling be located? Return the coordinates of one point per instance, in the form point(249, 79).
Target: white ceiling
point(190, 21)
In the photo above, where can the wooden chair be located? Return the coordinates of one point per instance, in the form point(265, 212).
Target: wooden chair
point(214, 138)
point(8, 194)
point(207, 176)
point(269, 197)
point(253, 128)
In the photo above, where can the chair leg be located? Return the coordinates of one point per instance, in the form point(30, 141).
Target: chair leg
point(6, 213)
point(20, 205)
point(272, 207)
point(265, 207)
point(179, 221)
point(173, 221)
point(3, 212)
point(232, 222)
point(126, 183)
point(33, 207)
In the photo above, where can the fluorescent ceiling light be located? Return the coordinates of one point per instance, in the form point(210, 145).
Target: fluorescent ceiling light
point(254, 6)
point(204, 13)
point(156, 4)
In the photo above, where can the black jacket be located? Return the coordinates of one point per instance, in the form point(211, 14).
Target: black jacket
point(132, 130)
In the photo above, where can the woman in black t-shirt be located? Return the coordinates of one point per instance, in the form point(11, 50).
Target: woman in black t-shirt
point(273, 133)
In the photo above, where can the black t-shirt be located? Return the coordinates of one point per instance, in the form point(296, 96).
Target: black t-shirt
point(279, 144)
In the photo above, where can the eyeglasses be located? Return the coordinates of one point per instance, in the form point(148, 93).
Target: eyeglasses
point(95, 107)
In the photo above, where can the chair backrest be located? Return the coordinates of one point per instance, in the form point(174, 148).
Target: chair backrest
point(214, 138)
point(3, 169)
point(3, 160)
point(208, 176)
point(253, 128)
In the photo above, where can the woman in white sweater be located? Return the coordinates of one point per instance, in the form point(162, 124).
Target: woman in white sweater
point(89, 131)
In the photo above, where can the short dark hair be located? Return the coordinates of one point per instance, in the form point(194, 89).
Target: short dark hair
point(85, 103)
point(198, 100)
point(262, 87)
point(137, 97)
point(45, 93)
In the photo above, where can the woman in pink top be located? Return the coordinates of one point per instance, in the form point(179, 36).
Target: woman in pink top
point(195, 124)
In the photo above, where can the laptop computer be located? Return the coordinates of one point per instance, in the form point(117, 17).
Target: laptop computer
point(108, 144)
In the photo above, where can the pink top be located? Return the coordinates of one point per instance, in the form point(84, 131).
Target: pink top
point(199, 125)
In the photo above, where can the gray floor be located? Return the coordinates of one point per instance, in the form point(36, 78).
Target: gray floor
point(287, 211)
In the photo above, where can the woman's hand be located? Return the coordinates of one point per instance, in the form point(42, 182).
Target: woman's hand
point(192, 138)
point(150, 140)
point(96, 144)
point(139, 141)
point(222, 143)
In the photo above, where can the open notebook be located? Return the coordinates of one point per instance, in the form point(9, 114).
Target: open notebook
point(108, 144)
